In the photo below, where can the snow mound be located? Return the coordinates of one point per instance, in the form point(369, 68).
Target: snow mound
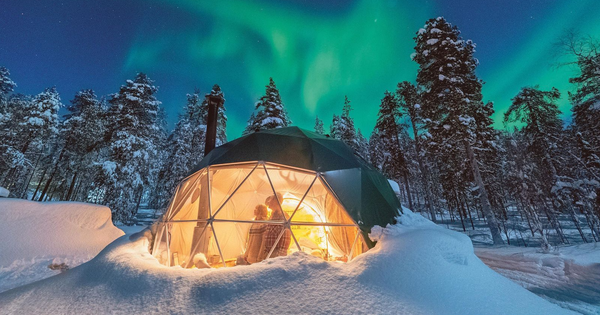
point(34, 235)
point(415, 268)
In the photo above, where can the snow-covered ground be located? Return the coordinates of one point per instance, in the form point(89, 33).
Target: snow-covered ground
point(416, 268)
point(34, 235)
point(569, 276)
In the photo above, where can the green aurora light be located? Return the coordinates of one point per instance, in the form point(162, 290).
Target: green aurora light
point(316, 59)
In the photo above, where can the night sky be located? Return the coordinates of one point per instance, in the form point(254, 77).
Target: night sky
point(316, 51)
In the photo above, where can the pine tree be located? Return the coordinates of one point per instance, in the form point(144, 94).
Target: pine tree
point(41, 119)
point(34, 124)
point(132, 134)
point(347, 131)
point(394, 164)
point(10, 157)
point(537, 109)
point(319, 128)
point(14, 131)
point(185, 148)
point(450, 89)
point(376, 149)
point(586, 99)
point(7, 85)
point(271, 111)
point(408, 100)
point(250, 128)
point(80, 135)
point(334, 128)
point(363, 146)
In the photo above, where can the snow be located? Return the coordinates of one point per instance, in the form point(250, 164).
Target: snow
point(34, 235)
point(4, 192)
point(432, 41)
point(568, 276)
point(395, 186)
point(415, 268)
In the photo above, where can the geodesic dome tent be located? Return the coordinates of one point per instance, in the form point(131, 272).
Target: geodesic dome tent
point(326, 201)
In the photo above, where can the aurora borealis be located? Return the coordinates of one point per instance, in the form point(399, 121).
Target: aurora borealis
point(316, 51)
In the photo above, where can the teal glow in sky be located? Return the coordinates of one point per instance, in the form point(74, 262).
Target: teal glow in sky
point(316, 51)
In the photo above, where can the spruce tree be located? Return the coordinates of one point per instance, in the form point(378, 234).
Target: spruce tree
point(80, 136)
point(271, 112)
point(319, 128)
point(449, 90)
point(586, 98)
point(537, 109)
point(221, 117)
point(394, 164)
point(363, 146)
point(132, 133)
point(41, 118)
point(250, 128)
point(346, 130)
point(408, 101)
point(7, 85)
point(334, 128)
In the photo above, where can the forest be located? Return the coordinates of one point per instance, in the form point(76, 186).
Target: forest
point(433, 136)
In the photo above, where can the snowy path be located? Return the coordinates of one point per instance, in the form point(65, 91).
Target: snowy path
point(560, 280)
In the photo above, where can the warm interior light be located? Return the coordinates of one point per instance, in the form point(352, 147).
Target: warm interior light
point(313, 240)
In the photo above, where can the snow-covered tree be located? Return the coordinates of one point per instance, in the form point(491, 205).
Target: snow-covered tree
point(586, 98)
point(334, 128)
point(363, 146)
point(319, 128)
point(342, 128)
point(388, 126)
point(271, 112)
point(375, 150)
point(41, 119)
point(449, 91)
point(408, 102)
point(537, 109)
point(185, 147)
point(81, 134)
point(7, 85)
point(347, 131)
point(221, 117)
point(133, 135)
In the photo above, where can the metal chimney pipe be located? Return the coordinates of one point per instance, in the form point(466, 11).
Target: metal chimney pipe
point(211, 123)
point(214, 102)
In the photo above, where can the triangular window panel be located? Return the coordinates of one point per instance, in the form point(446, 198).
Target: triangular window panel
point(191, 202)
point(321, 206)
point(248, 201)
point(224, 180)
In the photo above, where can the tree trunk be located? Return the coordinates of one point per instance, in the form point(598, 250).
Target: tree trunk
point(483, 197)
point(62, 152)
point(41, 180)
point(407, 186)
point(424, 175)
point(71, 187)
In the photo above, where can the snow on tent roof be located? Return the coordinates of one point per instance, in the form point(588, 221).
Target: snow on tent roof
point(270, 194)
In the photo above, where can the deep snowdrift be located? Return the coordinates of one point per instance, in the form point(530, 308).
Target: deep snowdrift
point(35, 234)
point(416, 268)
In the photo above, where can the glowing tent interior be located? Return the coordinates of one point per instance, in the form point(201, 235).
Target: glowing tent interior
point(270, 194)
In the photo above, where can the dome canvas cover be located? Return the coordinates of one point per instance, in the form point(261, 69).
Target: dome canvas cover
point(363, 191)
point(270, 194)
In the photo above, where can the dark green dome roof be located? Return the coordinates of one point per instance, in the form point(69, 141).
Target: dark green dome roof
point(363, 191)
